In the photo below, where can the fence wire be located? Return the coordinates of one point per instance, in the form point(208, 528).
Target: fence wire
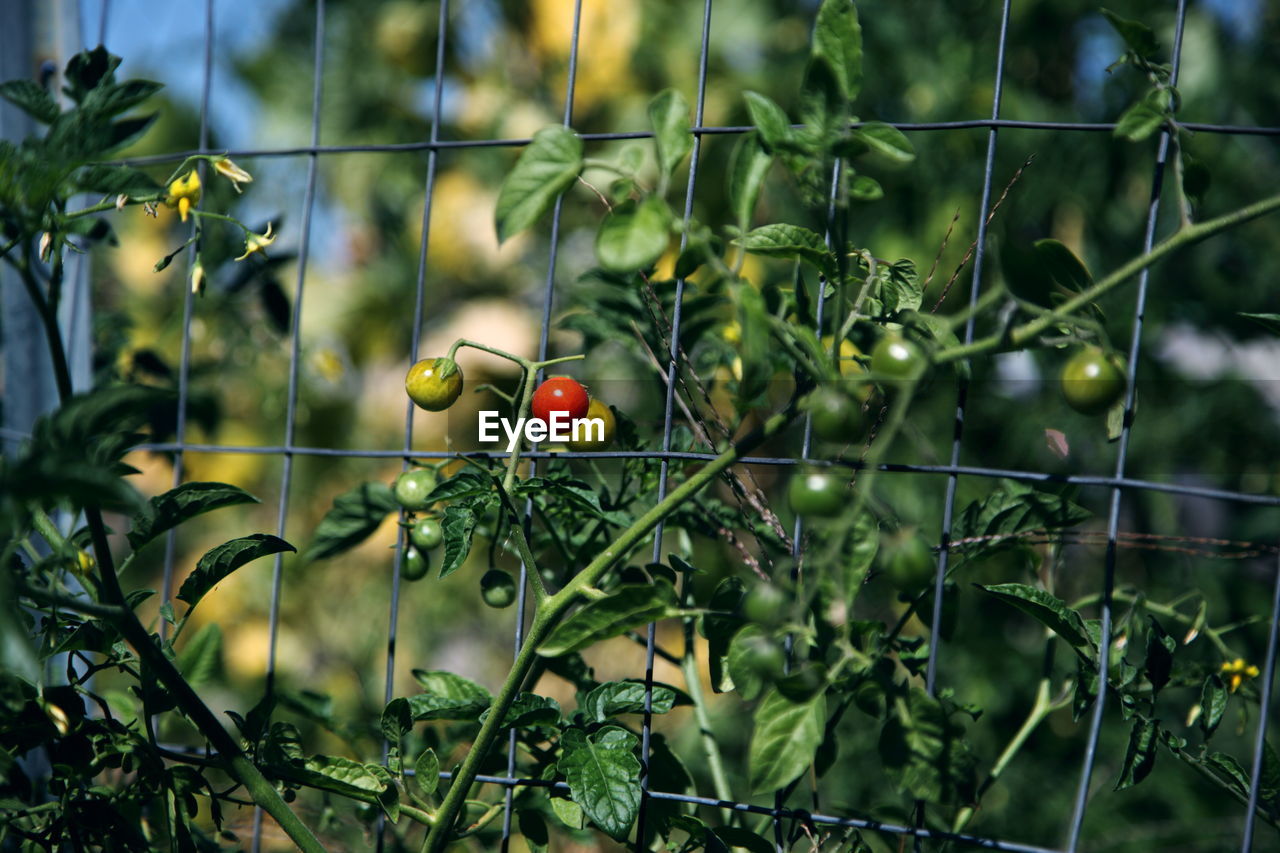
point(1119, 484)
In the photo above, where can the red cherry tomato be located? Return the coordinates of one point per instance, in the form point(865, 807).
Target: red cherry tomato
point(560, 394)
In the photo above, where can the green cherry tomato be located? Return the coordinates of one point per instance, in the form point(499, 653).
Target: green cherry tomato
point(908, 562)
point(414, 564)
point(599, 410)
point(835, 415)
point(896, 358)
point(412, 488)
point(816, 492)
point(426, 534)
point(765, 604)
point(498, 588)
point(1092, 381)
point(764, 656)
point(434, 383)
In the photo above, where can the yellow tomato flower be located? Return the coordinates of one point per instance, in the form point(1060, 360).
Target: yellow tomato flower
point(197, 277)
point(233, 173)
point(258, 243)
point(184, 193)
point(1237, 671)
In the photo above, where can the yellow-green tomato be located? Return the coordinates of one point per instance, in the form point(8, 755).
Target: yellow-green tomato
point(1092, 381)
point(434, 383)
point(412, 488)
point(589, 440)
point(426, 534)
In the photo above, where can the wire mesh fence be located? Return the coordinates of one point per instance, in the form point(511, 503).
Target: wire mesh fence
point(788, 820)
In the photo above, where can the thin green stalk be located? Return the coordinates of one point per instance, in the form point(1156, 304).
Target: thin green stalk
point(710, 747)
point(1026, 333)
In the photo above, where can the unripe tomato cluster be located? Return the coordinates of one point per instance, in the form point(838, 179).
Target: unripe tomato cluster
point(412, 490)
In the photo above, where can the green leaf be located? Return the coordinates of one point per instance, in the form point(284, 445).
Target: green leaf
point(754, 346)
point(1062, 265)
point(534, 829)
point(864, 188)
point(447, 697)
point(735, 837)
point(742, 676)
point(1048, 610)
point(900, 290)
point(823, 105)
point(201, 657)
point(1140, 756)
point(633, 236)
point(925, 752)
point(886, 142)
point(1159, 662)
point(569, 812)
point(1213, 704)
point(862, 541)
point(780, 240)
point(87, 70)
point(344, 776)
point(354, 516)
point(547, 167)
point(604, 776)
point(459, 523)
point(426, 771)
point(672, 137)
point(221, 561)
point(748, 165)
point(109, 101)
point(396, 721)
point(1269, 321)
point(465, 484)
point(1231, 772)
point(718, 625)
point(1137, 36)
point(1144, 117)
point(837, 37)
point(31, 99)
point(182, 504)
point(600, 619)
point(529, 709)
point(771, 122)
point(102, 179)
point(1016, 508)
point(785, 737)
point(121, 133)
point(624, 697)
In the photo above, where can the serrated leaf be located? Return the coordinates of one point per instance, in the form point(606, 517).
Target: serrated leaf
point(748, 165)
point(27, 96)
point(180, 505)
point(221, 561)
point(465, 484)
point(1137, 36)
point(624, 697)
point(1048, 610)
point(784, 739)
point(447, 696)
point(546, 168)
point(529, 709)
point(770, 121)
point(780, 240)
point(459, 523)
point(343, 775)
point(669, 116)
point(626, 607)
point(1143, 118)
point(87, 70)
point(604, 776)
point(1213, 704)
point(1230, 771)
point(837, 37)
point(1140, 755)
point(824, 108)
point(885, 141)
point(354, 516)
point(633, 236)
point(1016, 508)
point(925, 752)
point(201, 657)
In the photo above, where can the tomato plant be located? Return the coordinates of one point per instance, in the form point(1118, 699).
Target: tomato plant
point(560, 394)
point(434, 383)
point(1092, 381)
point(896, 358)
point(414, 564)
